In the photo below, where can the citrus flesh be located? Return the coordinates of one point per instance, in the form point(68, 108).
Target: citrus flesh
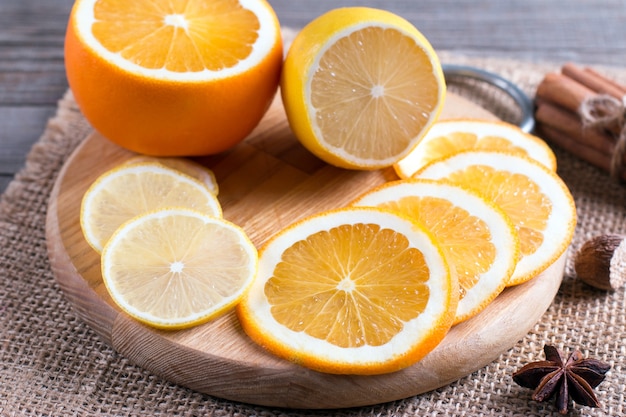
point(172, 38)
point(175, 78)
point(177, 268)
point(132, 189)
point(351, 291)
point(360, 87)
point(478, 239)
point(447, 137)
point(534, 197)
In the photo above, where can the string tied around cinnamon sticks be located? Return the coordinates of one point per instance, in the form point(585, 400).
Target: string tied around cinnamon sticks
point(593, 131)
point(608, 113)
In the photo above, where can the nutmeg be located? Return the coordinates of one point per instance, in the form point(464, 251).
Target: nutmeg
point(601, 262)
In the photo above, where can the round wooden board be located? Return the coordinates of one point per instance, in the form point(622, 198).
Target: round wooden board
point(266, 183)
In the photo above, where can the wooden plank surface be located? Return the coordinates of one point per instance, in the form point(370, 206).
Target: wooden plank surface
point(32, 77)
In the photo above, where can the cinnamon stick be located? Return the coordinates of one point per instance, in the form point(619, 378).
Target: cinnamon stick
point(549, 114)
point(615, 84)
point(559, 102)
point(572, 145)
point(593, 81)
point(564, 91)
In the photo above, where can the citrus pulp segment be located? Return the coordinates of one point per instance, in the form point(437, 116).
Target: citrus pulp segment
point(478, 239)
point(360, 86)
point(176, 268)
point(175, 78)
point(447, 137)
point(351, 291)
point(534, 197)
point(186, 166)
point(132, 189)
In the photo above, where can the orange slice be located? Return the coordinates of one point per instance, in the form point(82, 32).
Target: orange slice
point(177, 268)
point(447, 137)
point(534, 197)
point(361, 86)
point(351, 291)
point(478, 239)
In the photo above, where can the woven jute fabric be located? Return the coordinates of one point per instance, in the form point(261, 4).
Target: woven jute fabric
point(53, 364)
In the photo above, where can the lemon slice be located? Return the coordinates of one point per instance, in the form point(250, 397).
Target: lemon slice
point(177, 268)
point(351, 291)
point(447, 137)
point(533, 196)
point(186, 166)
point(361, 86)
point(478, 239)
point(129, 190)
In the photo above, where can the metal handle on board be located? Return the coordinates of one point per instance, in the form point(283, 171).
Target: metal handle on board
point(525, 104)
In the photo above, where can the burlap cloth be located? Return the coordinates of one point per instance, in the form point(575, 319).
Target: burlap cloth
point(54, 364)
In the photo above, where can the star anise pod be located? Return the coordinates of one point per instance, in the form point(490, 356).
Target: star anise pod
point(575, 378)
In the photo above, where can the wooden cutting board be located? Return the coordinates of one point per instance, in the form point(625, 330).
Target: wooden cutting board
point(266, 183)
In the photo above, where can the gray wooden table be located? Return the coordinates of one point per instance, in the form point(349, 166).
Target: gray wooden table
point(32, 76)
